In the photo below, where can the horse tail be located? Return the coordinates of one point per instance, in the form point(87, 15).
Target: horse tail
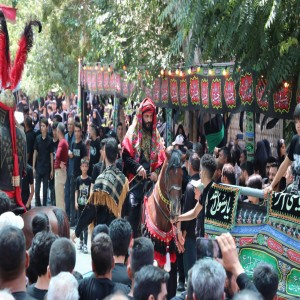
point(63, 223)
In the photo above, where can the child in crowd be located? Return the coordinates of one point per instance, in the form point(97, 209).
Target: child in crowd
point(82, 193)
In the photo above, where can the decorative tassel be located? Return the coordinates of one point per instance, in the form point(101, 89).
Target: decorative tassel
point(167, 266)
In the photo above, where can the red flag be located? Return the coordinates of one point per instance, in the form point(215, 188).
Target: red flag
point(9, 12)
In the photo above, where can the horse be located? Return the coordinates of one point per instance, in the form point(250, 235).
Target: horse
point(162, 205)
point(58, 221)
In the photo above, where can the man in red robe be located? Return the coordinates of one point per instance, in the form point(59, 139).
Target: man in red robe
point(143, 156)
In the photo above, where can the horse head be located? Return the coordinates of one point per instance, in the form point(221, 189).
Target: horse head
point(173, 180)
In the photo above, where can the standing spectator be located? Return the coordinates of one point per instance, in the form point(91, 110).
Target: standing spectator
point(30, 138)
point(27, 187)
point(82, 193)
point(70, 183)
point(120, 233)
point(42, 162)
point(61, 160)
point(180, 131)
point(22, 104)
point(100, 166)
point(94, 148)
point(39, 261)
point(100, 285)
point(188, 228)
point(14, 261)
point(55, 142)
point(120, 134)
point(96, 119)
point(150, 283)
point(78, 152)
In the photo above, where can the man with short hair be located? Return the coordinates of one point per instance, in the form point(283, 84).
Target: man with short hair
point(266, 280)
point(70, 182)
point(272, 173)
point(14, 260)
point(247, 171)
point(188, 228)
point(150, 283)
point(60, 165)
point(142, 254)
point(207, 169)
point(94, 148)
point(42, 162)
point(109, 192)
point(62, 257)
point(228, 174)
point(208, 280)
point(39, 261)
point(120, 233)
point(224, 155)
point(100, 285)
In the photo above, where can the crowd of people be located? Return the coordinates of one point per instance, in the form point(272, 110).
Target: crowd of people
point(96, 178)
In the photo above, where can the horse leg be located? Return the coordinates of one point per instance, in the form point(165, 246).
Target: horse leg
point(172, 282)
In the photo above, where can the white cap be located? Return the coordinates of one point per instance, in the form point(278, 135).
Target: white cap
point(10, 219)
point(179, 140)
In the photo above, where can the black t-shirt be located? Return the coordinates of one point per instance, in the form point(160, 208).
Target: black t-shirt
point(44, 149)
point(22, 296)
point(20, 106)
point(26, 182)
point(79, 151)
point(36, 293)
point(120, 275)
point(97, 170)
point(83, 186)
point(54, 148)
point(30, 139)
point(94, 154)
point(98, 288)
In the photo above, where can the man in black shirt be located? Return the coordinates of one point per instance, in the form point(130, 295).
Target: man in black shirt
point(94, 148)
point(188, 228)
point(42, 162)
point(27, 187)
point(101, 285)
point(14, 261)
point(30, 138)
point(207, 169)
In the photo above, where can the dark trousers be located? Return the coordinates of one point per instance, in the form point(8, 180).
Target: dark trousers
point(39, 178)
point(70, 199)
point(84, 232)
point(180, 267)
point(52, 191)
point(189, 254)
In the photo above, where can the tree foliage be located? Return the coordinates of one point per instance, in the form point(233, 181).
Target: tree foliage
point(260, 35)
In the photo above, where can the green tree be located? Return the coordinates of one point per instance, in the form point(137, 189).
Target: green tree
point(260, 35)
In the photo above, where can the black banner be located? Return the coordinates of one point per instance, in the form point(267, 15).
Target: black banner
point(221, 206)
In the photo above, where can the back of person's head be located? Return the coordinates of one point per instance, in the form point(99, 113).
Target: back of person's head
point(116, 296)
point(40, 250)
point(227, 155)
point(63, 286)
point(6, 295)
point(4, 203)
point(297, 112)
point(197, 147)
point(62, 256)
point(194, 160)
point(102, 254)
point(54, 125)
point(248, 167)
point(208, 280)
point(111, 149)
point(189, 286)
point(247, 295)
point(148, 281)
point(61, 128)
point(28, 122)
point(271, 160)
point(255, 182)
point(208, 163)
point(120, 233)
point(98, 229)
point(266, 280)
point(12, 253)
point(228, 171)
point(142, 254)
point(40, 223)
point(57, 118)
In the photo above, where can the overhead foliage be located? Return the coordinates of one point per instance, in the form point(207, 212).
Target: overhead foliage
point(260, 35)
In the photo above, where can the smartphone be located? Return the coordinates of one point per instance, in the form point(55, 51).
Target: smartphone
point(208, 247)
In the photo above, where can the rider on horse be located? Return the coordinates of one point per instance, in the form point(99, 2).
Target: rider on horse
point(143, 154)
